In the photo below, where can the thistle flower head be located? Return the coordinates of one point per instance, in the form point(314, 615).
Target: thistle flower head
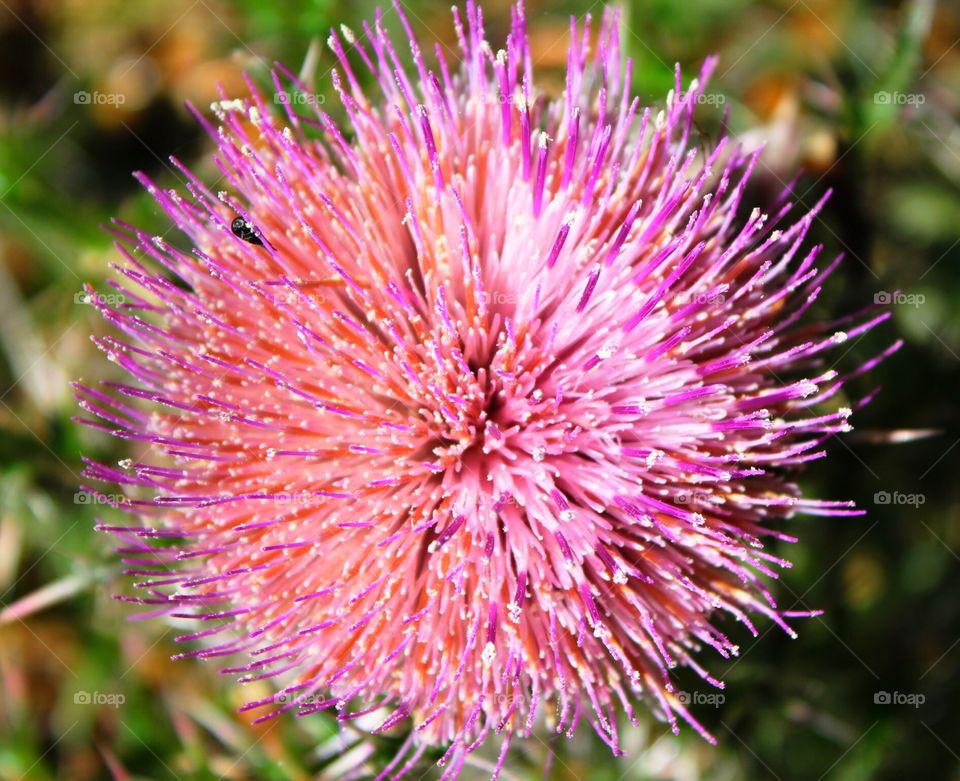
point(476, 410)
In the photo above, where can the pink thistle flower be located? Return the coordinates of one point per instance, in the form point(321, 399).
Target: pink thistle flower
point(487, 402)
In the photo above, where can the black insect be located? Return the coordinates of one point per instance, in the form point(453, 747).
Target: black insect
point(245, 230)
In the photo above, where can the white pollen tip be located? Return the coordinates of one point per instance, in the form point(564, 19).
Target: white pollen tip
point(489, 652)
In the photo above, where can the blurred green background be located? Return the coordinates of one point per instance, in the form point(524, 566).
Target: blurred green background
point(863, 96)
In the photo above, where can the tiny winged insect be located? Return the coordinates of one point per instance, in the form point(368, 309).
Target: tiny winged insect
point(244, 230)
